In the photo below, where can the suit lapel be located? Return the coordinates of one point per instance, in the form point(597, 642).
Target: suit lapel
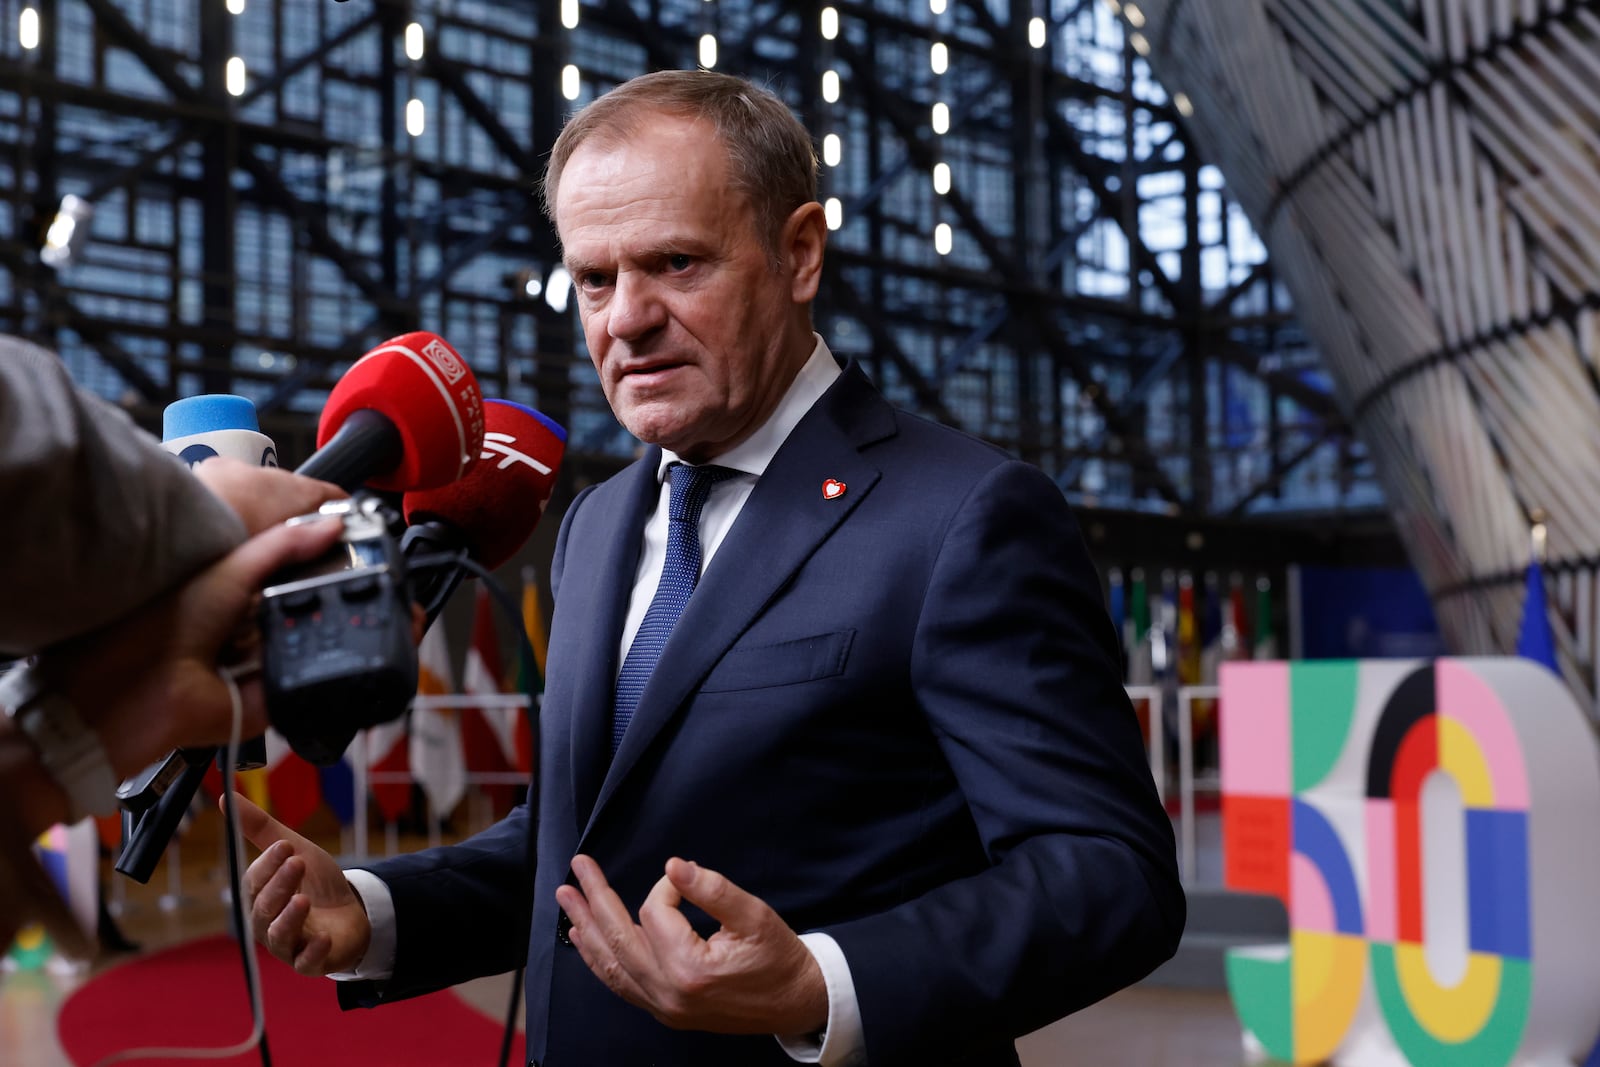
point(616, 559)
point(780, 526)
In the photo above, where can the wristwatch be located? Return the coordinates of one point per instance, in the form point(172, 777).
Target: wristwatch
point(69, 750)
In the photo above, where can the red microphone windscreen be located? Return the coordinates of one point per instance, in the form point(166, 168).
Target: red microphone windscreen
point(499, 501)
point(419, 383)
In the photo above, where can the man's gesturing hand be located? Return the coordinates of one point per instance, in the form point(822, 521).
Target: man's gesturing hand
point(753, 976)
point(302, 908)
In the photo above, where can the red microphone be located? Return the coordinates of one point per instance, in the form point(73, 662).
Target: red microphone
point(492, 510)
point(407, 415)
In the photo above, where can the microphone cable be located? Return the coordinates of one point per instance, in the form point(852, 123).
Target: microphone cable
point(530, 667)
point(430, 561)
point(257, 1038)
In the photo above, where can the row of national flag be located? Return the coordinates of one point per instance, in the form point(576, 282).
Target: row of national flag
point(1173, 629)
point(437, 748)
point(1176, 630)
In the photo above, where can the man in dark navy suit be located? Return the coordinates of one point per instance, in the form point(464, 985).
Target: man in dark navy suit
point(834, 747)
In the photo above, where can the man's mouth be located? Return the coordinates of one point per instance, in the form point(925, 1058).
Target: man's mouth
point(651, 370)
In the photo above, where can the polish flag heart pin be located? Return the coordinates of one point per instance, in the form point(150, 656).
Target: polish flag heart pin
point(832, 489)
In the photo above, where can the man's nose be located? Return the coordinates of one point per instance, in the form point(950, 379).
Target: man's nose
point(635, 309)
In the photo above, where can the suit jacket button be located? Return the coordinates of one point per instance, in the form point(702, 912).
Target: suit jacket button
point(563, 935)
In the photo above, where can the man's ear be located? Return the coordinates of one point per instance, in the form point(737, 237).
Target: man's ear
point(805, 235)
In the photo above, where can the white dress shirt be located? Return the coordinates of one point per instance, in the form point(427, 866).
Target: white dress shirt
point(842, 1043)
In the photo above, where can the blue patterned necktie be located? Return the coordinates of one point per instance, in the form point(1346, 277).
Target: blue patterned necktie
point(690, 486)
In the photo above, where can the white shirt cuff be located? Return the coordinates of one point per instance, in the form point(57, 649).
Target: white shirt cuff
point(842, 1043)
point(378, 964)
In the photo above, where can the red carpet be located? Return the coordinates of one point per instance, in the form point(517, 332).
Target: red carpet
point(194, 995)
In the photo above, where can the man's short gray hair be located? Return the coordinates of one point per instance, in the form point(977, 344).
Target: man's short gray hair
point(771, 160)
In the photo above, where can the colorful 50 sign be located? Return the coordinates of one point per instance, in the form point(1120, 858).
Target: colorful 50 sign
point(1433, 828)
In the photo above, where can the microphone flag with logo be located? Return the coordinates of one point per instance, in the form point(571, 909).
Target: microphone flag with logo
point(494, 507)
point(491, 512)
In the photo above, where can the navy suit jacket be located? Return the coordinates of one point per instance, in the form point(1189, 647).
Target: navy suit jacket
point(895, 715)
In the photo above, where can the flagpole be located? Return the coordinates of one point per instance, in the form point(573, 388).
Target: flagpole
point(361, 845)
point(1535, 639)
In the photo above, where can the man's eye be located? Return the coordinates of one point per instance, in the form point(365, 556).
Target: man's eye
point(593, 280)
point(678, 263)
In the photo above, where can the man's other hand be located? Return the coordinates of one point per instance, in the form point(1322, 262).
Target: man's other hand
point(753, 976)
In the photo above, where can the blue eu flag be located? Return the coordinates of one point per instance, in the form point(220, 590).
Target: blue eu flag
point(1535, 640)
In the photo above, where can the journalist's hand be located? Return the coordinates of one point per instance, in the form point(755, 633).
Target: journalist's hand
point(303, 910)
point(148, 682)
point(263, 496)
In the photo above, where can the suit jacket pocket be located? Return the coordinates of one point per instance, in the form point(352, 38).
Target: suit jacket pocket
point(804, 659)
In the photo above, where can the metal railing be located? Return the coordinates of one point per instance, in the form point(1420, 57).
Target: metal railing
point(365, 778)
point(1156, 696)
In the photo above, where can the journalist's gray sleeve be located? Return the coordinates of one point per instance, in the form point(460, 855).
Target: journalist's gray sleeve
point(98, 519)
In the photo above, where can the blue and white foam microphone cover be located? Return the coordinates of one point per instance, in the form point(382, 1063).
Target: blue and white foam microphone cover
point(199, 427)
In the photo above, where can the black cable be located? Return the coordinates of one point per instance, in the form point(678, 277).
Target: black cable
point(511, 1019)
point(530, 667)
point(429, 561)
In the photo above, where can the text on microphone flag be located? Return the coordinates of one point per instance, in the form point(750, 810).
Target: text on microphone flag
point(502, 445)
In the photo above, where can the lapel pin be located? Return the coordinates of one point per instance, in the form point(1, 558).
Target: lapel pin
point(832, 489)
